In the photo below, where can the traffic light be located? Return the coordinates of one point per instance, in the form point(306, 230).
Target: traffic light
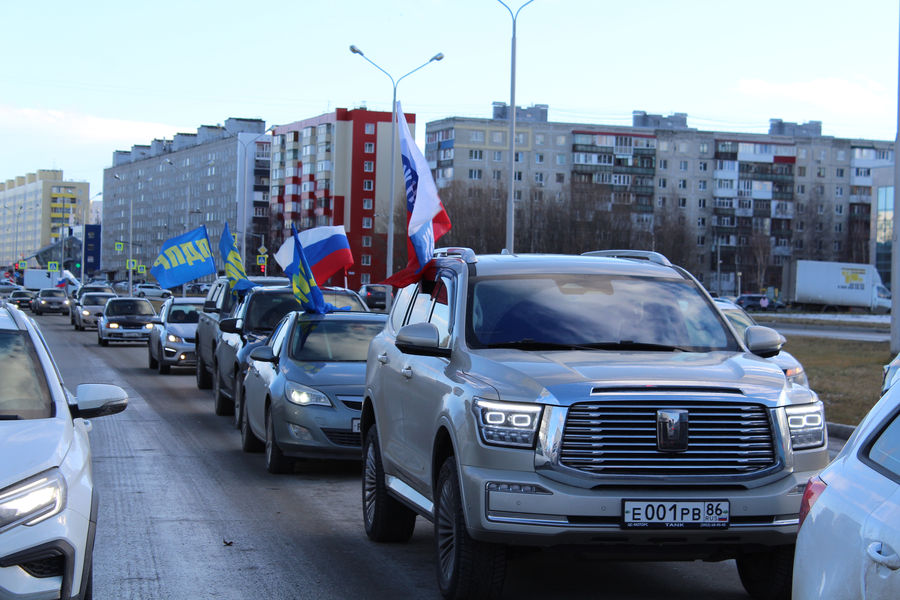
point(262, 269)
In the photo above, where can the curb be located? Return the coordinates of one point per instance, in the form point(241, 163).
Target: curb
point(840, 431)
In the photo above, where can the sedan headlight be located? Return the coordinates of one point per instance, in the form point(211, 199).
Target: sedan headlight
point(507, 424)
point(148, 326)
point(113, 325)
point(86, 313)
point(174, 339)
point(807, 425)
point(43, 302)
point(32, 500)
point(305, 396)
point(66, 302)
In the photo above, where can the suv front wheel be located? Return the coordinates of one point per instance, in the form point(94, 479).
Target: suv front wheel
point(466, 568)
point(768, 575)
point(386, 519)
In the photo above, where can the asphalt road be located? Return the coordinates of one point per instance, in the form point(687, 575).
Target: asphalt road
point(186, 515)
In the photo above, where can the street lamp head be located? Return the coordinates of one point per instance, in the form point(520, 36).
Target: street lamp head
point(168, 161)
point(117, 177)
point(438, 56)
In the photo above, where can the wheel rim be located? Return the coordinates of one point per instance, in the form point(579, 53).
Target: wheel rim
point(370, 483)
point(446, 531)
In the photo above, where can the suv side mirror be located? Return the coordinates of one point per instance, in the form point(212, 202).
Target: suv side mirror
point(763, 341)
point(230, 326)
point(421, 339)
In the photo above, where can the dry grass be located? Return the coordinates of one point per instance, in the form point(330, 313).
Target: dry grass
point(845, 374)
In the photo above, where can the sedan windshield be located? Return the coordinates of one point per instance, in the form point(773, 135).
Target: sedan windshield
point(24, 393)
point(53, 294)
point(332, 340)
point(120, 308)
point(592, 311)
point(90, 300)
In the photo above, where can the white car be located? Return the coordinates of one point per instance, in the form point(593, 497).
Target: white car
point(848, 547)
point(48, 505)
point(150, 290)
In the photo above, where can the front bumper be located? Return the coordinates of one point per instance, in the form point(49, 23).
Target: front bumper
point(53, 308)
point(317, 431)
point(179, 354)
point(124, 335)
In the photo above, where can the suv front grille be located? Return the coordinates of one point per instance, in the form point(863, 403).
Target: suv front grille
point(619, 438)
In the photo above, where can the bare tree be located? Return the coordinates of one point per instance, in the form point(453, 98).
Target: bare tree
point(760, 255)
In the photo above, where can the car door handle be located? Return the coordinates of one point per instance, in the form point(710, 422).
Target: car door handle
point(382, 358)
point(407, 372)
point(892, 562)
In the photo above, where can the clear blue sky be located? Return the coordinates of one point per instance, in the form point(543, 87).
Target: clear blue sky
point(82, 79)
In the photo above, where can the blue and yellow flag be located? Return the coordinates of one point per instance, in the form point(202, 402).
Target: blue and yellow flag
point(234, 266)
point(306, 291)
point(184, 258)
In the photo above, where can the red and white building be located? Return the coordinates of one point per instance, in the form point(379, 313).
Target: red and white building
point(335, 169)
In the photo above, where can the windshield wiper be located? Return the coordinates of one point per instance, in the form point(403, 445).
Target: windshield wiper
point(530, 344)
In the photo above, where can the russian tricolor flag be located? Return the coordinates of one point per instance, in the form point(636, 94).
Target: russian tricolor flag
point(326, 248)
point(426, 218)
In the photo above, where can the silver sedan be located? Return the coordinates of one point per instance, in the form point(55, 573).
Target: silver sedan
point(88, 309)
point(171, 342)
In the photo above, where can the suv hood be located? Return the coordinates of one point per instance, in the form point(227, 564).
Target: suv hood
point(570, 376)
point(37, 444)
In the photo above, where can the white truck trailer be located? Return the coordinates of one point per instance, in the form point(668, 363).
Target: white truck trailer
point(821, 286)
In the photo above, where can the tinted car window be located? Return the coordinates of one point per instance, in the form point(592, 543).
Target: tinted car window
point(184, 313)
point(400, 306)
point(264, 311)
point(582, 309)
point(24, 393)
point(53, 294)
point(327, 341)
point(129, 307)
point(95, 300)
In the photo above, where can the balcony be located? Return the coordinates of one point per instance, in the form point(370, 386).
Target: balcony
point(724, 212)
point(782, 195)
point(860, 199)
point(580, 168)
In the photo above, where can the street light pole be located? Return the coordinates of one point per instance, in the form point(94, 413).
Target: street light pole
point(510, 205)
point(84, 233)
point(130, 235)
point(390, 234)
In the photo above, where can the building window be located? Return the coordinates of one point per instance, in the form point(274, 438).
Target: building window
point(701, 222)
point(820, 172)
point(368, 166)
point(701, 203)
point(801, 171)
point(497, 137)
point(682, 203)
point(701, 240)
point(474, 173)
point(365, 260)
point(476, 135)
point(704, 148)
point(560, 178)
point(701, 185)
point(837, 246)
point(819, 228)
point(801, 153)
point(367, 203)
point(662, 182)
point(663, 164)
point(521, 138)
point(367, 241)
point(498, 156)
point(683, 165)
point(560, 159)
point(539, 139)
point(838, 227)
point(368, 185)
point(839, 191)
point(661, 201)
point(801, 189)
point(519, 156)
point(838, 209)
point(476, 154)
point(539, 158)
point(560, 140)
point(367, 223)
point(517, 176)
point(370, 128)
point(682, 184)
point(819, 245)
point(496, 175)
point(539, 178)
point(839, 172)
point(517, 194)
point(798, 244)
point(365, 278)
point(369, 147)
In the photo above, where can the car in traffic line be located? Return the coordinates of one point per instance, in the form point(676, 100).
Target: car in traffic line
point(125, 320)
point(90, 309)
point(150, 290)
point(21, 298)
point(75, 301)
point(171, 342)
point(303, 391)
point(741, 320)
point(48, 502)
point(598, 402)
point(50, 300)
point(849, 541)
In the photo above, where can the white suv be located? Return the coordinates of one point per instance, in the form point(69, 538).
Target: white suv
point(150, 290)
point(588, 402)
point(48, 504)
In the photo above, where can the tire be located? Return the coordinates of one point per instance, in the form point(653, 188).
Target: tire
point(249, 441)
point(140, 294)
point(223, 405)
point(99, 340)
point(767, 575)
point(385, 518)
point(276, 462)
point(466, 568)
point(238, 401)
point(152, 363)
point(162, 368)
point(204, 379)
point(104, 342)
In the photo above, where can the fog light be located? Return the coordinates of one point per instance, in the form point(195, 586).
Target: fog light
point(300, 433)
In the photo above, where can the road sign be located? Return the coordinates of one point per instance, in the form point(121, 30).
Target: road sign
point(53, 266)
point(22, 264)
point(132, 264)
point(260, 259)
point(119, 246)
point(262, 249)
point(142, 269)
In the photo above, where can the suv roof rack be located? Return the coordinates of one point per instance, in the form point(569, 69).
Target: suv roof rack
point(654, 257)
point(467, 254)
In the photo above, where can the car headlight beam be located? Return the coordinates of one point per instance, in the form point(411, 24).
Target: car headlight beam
point(506, 423)
point(33, 500)
point(807, 425)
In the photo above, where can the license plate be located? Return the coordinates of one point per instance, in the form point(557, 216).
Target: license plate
point(656, 514)
point(132, 335)
point(354, 426)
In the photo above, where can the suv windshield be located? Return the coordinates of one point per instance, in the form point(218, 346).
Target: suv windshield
point(129, 307)
point(616, 312)
point(329, 341)
point(24, 393)
point(265, 310)
point(53, 294)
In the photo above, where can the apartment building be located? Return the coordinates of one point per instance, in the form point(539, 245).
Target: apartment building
point(36, 209)
point(218, 175)
point(750, 201)
point(335, 169)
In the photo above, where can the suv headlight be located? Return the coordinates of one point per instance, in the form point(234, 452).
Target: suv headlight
point(797, 376)
point(507, 424)
point(33, 500)
point(174, 338)
point(305, 396)
point(807, 425)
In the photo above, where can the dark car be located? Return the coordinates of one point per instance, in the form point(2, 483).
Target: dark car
point(375, 295)
point(752, 302)
point(50, 300)
point(22, 299)
point(125, 320)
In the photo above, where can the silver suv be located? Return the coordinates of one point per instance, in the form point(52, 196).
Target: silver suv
point(601, 401)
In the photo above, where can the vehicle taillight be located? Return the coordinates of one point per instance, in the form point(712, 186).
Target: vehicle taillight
point(814, 489)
